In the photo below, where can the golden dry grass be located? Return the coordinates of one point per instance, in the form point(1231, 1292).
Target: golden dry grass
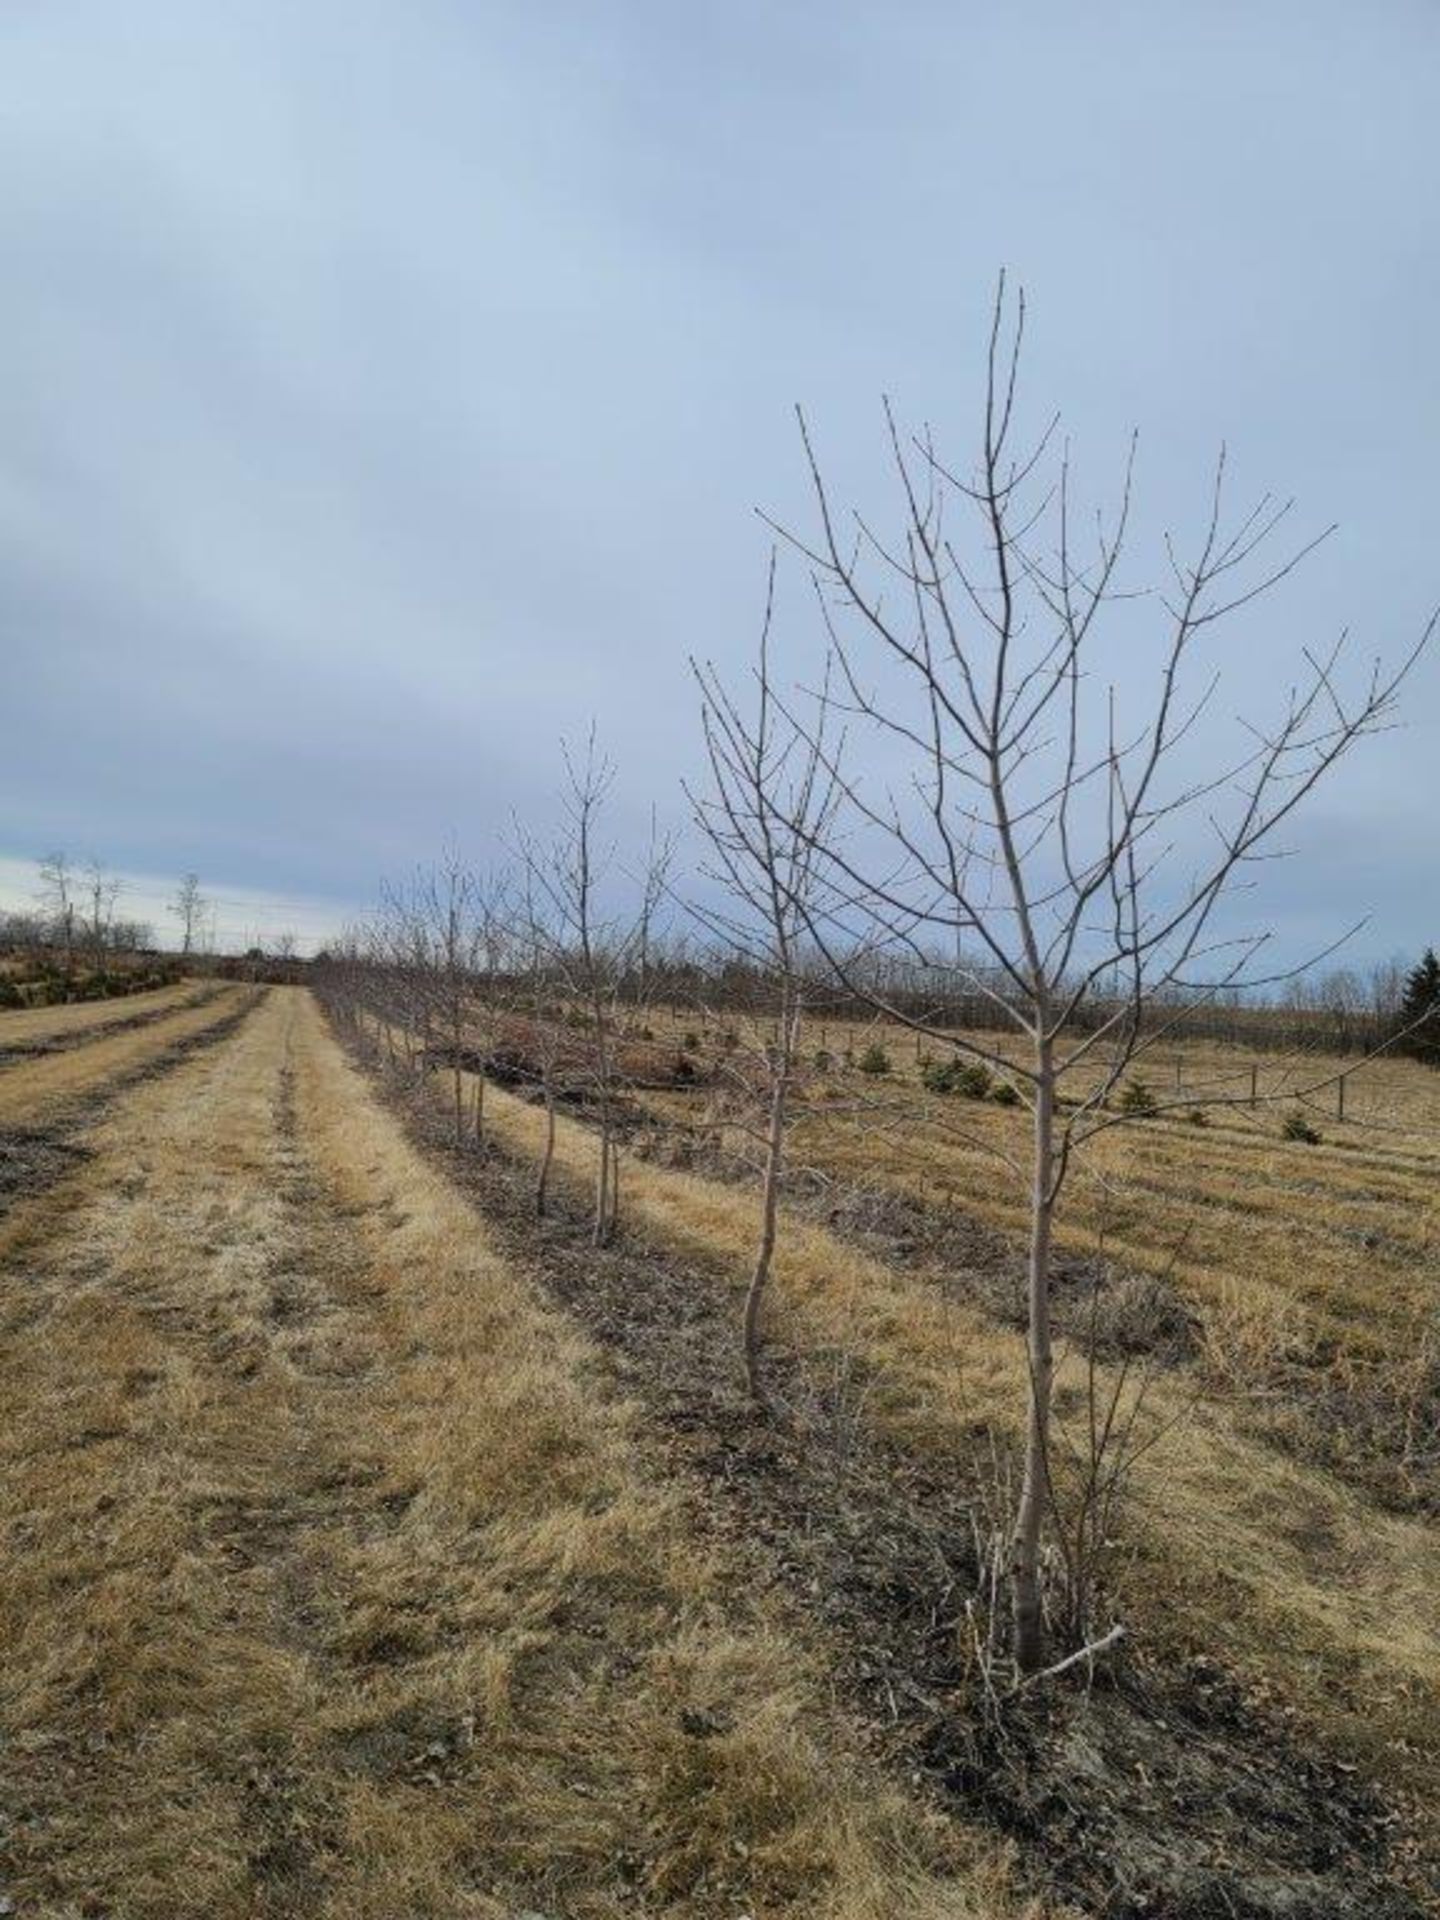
point(1392, 1104)
point(32, 1091)
point(1311, 1267)
point(334, 1584)
point(29, 1026)
point(1294, 1579)
point(1295, 1254)
point(1330, 1244)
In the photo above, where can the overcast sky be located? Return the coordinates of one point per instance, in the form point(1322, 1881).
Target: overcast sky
point(388, 389)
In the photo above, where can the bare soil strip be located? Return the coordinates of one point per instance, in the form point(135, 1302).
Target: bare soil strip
point(333, 1586)
point(1167, 1787)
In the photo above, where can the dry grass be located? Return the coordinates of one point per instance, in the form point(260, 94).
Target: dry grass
point(1342, 1234)
point(333, 1585)
point(1318, 1599)
point(1324, 1250)
point(33, 1026)
point(33, 1090)
point(1310, 1268)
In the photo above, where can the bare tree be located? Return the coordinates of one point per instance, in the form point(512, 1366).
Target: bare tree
point(131, 935)
point(768, 809)
point(1044, 832)
point(102, 892)
point(588, 954)
point(447, 901)
point(190, 908)
point(58, 903)
point(491, 984)
point(539, 949)
point(597, 946)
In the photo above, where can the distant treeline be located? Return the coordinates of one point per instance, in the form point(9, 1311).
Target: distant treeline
point(1342, 1011)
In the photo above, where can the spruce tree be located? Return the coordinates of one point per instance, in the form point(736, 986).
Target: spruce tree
point(1420, 1010)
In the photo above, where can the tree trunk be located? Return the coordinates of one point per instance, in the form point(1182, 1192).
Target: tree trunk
point(1035, 1488)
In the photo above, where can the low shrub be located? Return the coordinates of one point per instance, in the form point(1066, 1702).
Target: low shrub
point(1297, 1127)
point(874, 1059)
point(969, 1078)
point(1140, 1313)
point(1137, 1102)
point(1004, 1094)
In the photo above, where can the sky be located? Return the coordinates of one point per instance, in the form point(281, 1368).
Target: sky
point(387, 393)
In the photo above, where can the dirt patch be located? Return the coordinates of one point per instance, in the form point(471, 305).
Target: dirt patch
point(32, 1158)
point(1142, 1791)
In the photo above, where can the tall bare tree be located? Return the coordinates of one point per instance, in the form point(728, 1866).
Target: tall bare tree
point(446, 899)
point(58, 891)
point(190, 907)
point(102, 892)
point(493, 987)
point(541, 996)
point(1047, 835)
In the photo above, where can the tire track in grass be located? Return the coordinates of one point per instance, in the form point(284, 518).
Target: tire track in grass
point(192, 1379)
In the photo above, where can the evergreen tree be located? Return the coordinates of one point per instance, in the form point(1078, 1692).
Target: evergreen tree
point(1420, 1010)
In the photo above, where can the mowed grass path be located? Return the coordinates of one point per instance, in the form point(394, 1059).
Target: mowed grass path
point(333, 1580)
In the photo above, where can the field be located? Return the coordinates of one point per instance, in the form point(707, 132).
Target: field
point(1307, 1271)
point(373, 1548)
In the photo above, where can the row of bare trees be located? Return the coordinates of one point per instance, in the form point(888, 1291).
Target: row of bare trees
point(536, 975)
point(1009, 781)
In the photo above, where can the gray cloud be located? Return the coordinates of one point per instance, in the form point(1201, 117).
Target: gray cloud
point(387, 390)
